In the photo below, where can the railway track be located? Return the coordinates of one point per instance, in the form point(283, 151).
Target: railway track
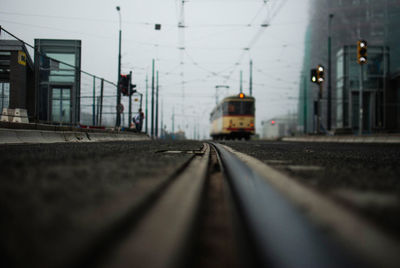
point(218, 210)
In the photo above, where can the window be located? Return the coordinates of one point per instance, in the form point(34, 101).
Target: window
point(4, 95)
point(239, 108)
point(60, 72)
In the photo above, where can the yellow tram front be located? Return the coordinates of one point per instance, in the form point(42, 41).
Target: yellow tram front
point(233, 118)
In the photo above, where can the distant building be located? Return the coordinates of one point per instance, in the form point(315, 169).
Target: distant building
point(279, 126)
point(377, 22)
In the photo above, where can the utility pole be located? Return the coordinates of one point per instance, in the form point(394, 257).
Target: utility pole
point(329, 91)
point(130, 100)
point(173, 120)
point(147, 113)
point(305, 105)
point(241, 81)
point(360, 122)
point(251, 78)
point(152, 101)
point(361, 59)
point(118, 120)
point(162, 119)
point(319, 108)
point(156, 130)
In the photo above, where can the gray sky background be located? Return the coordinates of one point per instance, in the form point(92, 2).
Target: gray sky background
point(216, 36)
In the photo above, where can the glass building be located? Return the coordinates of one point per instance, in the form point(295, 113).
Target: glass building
point(375, 21)
point(58, 84)
point(348, 81)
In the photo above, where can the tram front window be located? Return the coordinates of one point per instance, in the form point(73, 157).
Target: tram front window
point(238, 108)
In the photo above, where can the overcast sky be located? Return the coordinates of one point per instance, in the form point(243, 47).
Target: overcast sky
point(220, 37)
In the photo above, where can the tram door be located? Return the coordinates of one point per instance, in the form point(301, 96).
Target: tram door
point(61, 104)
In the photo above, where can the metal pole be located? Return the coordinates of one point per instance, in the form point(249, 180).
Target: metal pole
point(94, 102)
point(319, 109)
point(118, 120)
point(360, 122)
point(156, 130)
point(147, 114)
point(130, 100)
point(152, 101)
point(305, 105)
point(173, 120)
point(241, 81)
point(101, 101)
point(98, 111)
point(216, 95)
point(329, 119)
point(162, 119)
point(251, 78)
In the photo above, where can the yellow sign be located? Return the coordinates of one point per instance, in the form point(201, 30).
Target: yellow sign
point(22, 58)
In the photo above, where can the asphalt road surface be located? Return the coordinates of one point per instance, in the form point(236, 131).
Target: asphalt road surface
point(53, 196)
point(364, 177)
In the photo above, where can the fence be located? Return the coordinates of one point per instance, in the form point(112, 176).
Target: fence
point(98, 102)
point(64, 94)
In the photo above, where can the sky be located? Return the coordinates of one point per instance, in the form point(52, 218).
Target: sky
point(219, 38)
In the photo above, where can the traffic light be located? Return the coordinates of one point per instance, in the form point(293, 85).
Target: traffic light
point(320, 74)
point(362, 52)
point(124, 81)
point(133, 90)
point(314, 75)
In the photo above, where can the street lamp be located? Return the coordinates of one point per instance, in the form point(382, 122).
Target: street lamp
point(118, 120)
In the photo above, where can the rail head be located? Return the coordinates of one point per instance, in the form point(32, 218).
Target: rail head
point(283, 236)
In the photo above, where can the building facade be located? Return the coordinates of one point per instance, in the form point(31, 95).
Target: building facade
point(348, 82)
point(16, 77)
point(375, 21)
point(58, 75)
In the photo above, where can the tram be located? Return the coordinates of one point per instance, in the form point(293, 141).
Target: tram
point(233, 118)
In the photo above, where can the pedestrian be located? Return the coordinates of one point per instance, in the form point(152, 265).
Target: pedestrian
point(139, 120)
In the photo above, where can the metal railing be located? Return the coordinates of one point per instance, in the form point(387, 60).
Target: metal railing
point(95, 101)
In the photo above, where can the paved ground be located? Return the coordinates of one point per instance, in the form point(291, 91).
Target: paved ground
point(365, 177)
point(54, 197)
point(51, 195)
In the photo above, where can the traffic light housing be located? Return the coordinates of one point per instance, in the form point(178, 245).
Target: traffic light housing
point(362, 52)
point(313, 75)
point(124, 81)
point(133, 90)
point(320, 74)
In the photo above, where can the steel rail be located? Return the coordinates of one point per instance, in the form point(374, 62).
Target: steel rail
point(283, 236)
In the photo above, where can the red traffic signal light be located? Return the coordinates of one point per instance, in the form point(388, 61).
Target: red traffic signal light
point(124, 82)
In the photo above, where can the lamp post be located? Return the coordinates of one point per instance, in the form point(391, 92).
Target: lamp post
point(118, 120)
point(329, 74)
